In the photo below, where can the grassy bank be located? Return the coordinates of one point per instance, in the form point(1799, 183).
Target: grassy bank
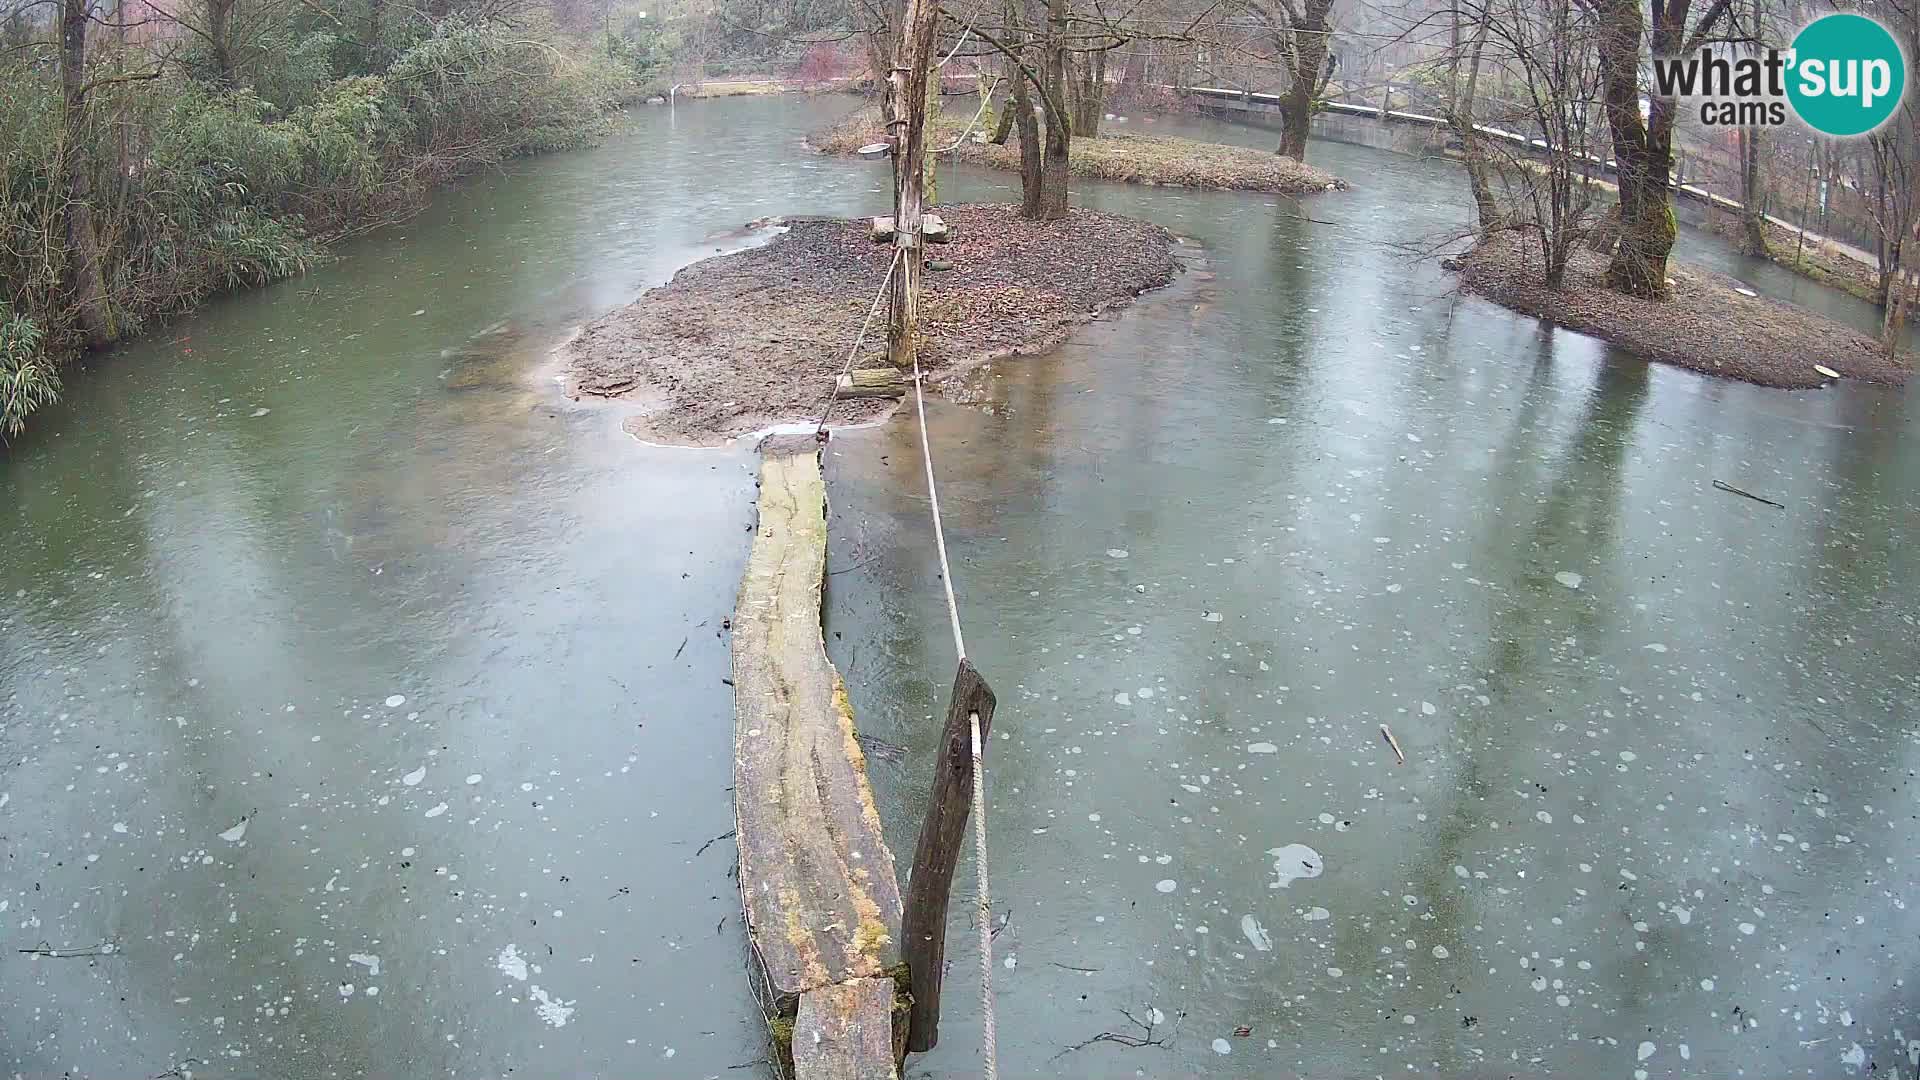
point(188, 185)
point(1128, 159)
point(1814, 259)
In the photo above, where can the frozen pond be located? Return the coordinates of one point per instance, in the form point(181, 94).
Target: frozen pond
point(361, 701)
point(363, 696)
point(1657, 817)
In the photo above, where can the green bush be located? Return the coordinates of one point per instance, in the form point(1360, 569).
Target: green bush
point(28, 378)
point(197, 188)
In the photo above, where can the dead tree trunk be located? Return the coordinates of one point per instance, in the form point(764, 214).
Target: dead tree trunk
point(85, 263)
point(907, 112)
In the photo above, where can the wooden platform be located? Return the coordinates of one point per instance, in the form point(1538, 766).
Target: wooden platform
point(817, 881)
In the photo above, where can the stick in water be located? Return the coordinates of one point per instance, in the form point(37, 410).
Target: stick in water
point(1387, 733)
point(1724, 486)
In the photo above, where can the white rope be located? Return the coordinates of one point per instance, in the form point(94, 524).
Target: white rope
point(933, 496)
point(986, 100)
point(988, 1035)
point(984, 912)
point(834, 394)
point(965, 32)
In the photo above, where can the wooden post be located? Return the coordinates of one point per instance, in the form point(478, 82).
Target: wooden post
point(907, 104)
point(923, 930)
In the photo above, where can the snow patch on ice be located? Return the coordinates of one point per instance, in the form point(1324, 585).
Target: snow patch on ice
point(1293, 862)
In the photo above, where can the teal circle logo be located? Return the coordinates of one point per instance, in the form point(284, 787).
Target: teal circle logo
point(1847, 76)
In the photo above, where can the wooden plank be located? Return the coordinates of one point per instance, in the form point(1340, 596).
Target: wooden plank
point(872, 382)
point(942, 836)
point(845, 1032)
point(816, 879)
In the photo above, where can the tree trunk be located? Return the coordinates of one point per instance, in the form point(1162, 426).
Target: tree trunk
point(1133, 73)
point(1642, 161)
point(1059, 124)
point(85, 264)
point(1460, 118)
point(1310, 72)
point(1089, 78)
point(908, 89)
point(376, 14)
point(220, 41)
point(1643, 149)
point(1753, 223)
point(1029, 127)
point(1053, 170)
point(1005, 126)
point(1894, 322)
point(1010, 74)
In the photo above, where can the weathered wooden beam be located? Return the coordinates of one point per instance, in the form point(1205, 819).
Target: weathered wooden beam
point(816, 879)
point(872, 382)
point(923, 929)
point(932, 226)
point(845, 1032)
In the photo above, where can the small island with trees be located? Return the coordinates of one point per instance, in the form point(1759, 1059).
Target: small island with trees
point(157, 154)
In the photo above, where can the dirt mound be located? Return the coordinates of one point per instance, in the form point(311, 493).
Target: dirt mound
point(1706, 324)
point(740, 342)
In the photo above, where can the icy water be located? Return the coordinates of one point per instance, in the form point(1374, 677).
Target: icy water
point(364, 697)
point(1657, 817)
point(361, 700)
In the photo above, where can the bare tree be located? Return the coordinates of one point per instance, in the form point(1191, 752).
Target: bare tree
point(1462, 95)
point(1643, 147)
point(1298, 33)
point(1894, 208)
point(1545, 50)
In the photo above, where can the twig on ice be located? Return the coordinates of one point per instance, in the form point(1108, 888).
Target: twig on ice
point(1724, 486)
point(1146, 1036)
point(1387, 733)
point(46, 949)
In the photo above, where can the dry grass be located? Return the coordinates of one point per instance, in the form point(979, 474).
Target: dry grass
point(1128, 159)
point(1705, 324)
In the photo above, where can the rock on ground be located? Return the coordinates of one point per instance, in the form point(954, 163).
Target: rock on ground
point(740, 342)
point(1704, 325)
